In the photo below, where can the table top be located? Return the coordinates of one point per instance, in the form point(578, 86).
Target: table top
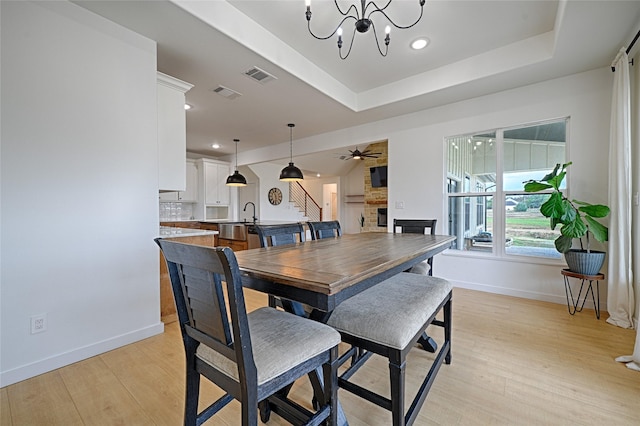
point(324, 272)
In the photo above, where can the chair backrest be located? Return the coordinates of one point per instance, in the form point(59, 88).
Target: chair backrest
point(326, 229)
point(414, 226)
point(277, 235)
point(196, 274)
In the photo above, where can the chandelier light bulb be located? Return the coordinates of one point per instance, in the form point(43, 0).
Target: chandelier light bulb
point(387, 29)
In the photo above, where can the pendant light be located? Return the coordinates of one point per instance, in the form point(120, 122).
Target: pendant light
point(236, 179)
point(291, 173)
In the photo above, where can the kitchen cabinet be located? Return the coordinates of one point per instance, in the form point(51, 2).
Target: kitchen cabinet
point(172, 137)
point(213, 193)
point(235, 245)
point(190, 194)
point(216, 189)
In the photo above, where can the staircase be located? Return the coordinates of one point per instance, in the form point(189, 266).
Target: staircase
point(304, 202)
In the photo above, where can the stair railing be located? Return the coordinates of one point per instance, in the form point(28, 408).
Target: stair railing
point(305, 202)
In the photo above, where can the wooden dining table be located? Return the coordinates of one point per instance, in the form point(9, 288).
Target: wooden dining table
point(323, 273)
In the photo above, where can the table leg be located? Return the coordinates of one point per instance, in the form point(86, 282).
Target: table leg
point(315, 377)
point(427, 343)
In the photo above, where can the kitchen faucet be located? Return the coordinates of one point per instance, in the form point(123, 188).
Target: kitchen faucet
point(254, 210)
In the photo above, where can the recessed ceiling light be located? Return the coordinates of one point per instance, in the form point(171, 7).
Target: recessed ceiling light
point(215, 146)
point(419, 43)
point(318, 175)
point(187, 106)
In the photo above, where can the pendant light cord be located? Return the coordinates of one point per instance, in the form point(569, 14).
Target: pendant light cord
point(291, 126)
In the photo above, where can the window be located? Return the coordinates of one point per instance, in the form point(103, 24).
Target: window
point(487, 203)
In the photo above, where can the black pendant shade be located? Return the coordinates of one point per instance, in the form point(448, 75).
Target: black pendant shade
point(291, 173)
point(236, 179)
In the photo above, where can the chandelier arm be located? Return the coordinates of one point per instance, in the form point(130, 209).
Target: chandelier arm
point(334, 31)
point(372, 3)
point(391, 21)
point(353, 6)
point(353, 36)
point(375, 36)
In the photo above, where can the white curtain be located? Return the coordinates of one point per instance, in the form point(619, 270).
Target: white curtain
point(621, 303)
point(620, 300)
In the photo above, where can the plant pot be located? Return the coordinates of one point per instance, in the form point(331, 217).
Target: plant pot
point(583, 262)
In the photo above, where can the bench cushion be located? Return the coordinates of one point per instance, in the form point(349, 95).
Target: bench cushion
point(393, 312)
point(274, 334)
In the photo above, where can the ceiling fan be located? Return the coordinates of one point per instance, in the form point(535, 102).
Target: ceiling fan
point(360, 155)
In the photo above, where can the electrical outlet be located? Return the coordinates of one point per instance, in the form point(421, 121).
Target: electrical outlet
point(38, 323)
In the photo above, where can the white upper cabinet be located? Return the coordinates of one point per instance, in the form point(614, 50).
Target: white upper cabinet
point(172, 138)
point(216, 192)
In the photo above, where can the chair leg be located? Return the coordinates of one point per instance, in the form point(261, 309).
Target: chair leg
point(192, 395)
point(396, 375)
point(250, 410)
point(330, 387)
point(447, 329)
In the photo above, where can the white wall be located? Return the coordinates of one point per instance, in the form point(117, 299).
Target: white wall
point(268, 175)
point(79, 180)
point(585, 97)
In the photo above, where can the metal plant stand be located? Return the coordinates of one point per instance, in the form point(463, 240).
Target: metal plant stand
point(572, 305)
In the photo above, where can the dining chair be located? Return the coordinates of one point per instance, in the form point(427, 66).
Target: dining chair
point(325, 229)
point(388, 319)
point(417, 226)
point(254, 357)
point(277, 235)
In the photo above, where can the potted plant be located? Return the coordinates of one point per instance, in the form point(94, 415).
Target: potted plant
point(578, 220)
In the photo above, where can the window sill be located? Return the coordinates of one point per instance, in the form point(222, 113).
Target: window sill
point(506, 257)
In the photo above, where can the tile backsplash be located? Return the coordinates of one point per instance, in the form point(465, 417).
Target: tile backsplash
point(175, 211)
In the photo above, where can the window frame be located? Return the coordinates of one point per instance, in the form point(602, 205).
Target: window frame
point(499, 195)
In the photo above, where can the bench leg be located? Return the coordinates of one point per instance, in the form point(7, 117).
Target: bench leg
point(396, 375)
point(447, 329)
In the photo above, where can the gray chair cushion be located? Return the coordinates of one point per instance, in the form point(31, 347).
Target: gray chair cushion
point(279, 340)
point(392, 312)
point(421, 268)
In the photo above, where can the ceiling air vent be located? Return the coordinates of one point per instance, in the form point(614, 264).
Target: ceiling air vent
point(261, 76)
point(226, 92)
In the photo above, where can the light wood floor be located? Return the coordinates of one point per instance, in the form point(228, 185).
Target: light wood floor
point(515, 362)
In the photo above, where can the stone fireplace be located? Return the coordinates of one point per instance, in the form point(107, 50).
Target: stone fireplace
point(375, 199)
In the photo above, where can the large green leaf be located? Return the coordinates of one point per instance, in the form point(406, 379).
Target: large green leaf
point(597, 229)
point(574, 229)
point(534, 186)
point(594, 210)
point(563, 243)
point(556, 181)
point(553, 207)
point(569, 213)
point(551, 175)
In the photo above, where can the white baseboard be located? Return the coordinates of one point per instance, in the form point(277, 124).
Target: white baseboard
point(553, 298)
point(27, 371)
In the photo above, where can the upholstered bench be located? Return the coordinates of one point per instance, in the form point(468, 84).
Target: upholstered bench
point(388, 319)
